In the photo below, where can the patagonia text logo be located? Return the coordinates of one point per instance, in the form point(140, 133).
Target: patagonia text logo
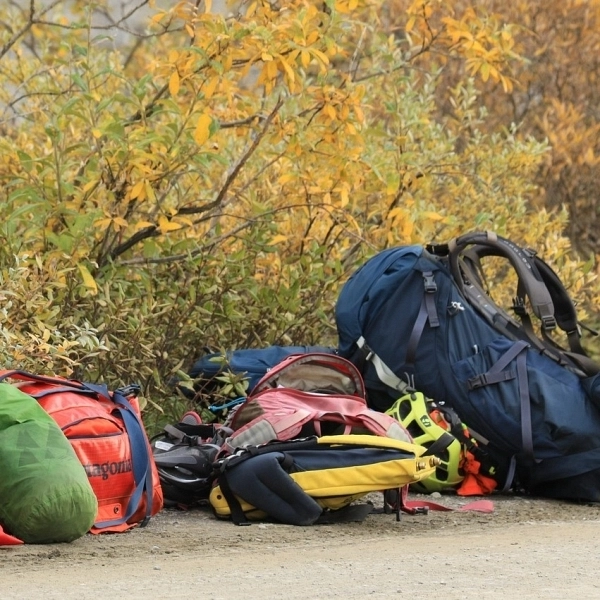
point(106, 469)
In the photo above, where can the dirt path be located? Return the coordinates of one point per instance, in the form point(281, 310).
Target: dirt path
point(524, 549)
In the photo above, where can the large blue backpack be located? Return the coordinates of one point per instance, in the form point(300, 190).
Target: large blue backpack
point(420, 318)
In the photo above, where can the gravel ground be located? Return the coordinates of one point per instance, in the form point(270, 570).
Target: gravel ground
point(525, 548)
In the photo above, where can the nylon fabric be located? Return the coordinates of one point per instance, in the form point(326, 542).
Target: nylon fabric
point(45, 495)
point(537, 412)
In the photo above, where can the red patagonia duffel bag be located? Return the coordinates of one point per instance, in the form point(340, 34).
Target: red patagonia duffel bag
point(107, 434)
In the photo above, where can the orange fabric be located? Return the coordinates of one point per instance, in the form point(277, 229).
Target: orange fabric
point(438, 418)
point(8, 540)
point(474, 483)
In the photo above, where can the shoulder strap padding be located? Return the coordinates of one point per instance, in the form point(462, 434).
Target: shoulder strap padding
point(491, 244)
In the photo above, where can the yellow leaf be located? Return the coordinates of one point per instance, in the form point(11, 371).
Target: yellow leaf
point(312, 37)
point(396, 212)
point(137, 191)
point(271, 69)
point(350, 129)
point(88, 280)
point(354, 223)
point(211, 86)
point(142, 225)
point(285, 178)
point(305, 58)
point(174, 83)
point(102, 222)
point(506, 84)
point(342, 7)
point(157, 18)
point(320, 56)
point(207, 6)
point(278, 239)
point(433, 216)
point(149, 191)
point(96, 133)
point(185, 221)
point(202, 132)
point(485, 71)
point(164, 225)
point(89, 185)
point(251, 10)
point(288, 70)
point(344, 197)
point(329, 111)
point(119, 223)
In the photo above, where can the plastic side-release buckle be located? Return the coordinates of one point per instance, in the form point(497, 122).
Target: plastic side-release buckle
point(132, 389)
point(519, 306)
point(430, 284)
point(548, 322)
point(477, 382)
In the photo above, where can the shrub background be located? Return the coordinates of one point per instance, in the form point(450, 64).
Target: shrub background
point(199, 176)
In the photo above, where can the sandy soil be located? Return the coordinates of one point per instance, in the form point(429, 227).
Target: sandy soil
point(526, 548)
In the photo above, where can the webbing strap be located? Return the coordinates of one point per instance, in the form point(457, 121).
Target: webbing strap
point(415, 334)
point(512, 467)
point(498, 373)
point(526, 425)
point(518, 351)
point(439, 445)
point(427, 312)
point(237, 514)
point(60, 389)
point(140, 461)
point(385, 374)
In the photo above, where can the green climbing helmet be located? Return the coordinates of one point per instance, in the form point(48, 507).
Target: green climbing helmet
point(413, 410)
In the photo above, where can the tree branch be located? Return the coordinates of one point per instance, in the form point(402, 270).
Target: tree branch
point(30, 23)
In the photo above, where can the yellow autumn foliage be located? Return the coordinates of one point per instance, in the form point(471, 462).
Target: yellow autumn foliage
point(212, 180)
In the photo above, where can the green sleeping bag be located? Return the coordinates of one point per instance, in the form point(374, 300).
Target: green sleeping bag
point(45, 495)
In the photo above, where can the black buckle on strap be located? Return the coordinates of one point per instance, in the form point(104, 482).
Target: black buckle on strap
point(430, 284)
point(477, 382)
point(519, 306)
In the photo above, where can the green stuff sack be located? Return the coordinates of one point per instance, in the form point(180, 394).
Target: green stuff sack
point(45, 495)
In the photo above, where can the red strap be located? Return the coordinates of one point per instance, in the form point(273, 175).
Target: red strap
point(25, 376)
point(483, 506)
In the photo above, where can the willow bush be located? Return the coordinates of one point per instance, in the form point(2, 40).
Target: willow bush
point(211, 180)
